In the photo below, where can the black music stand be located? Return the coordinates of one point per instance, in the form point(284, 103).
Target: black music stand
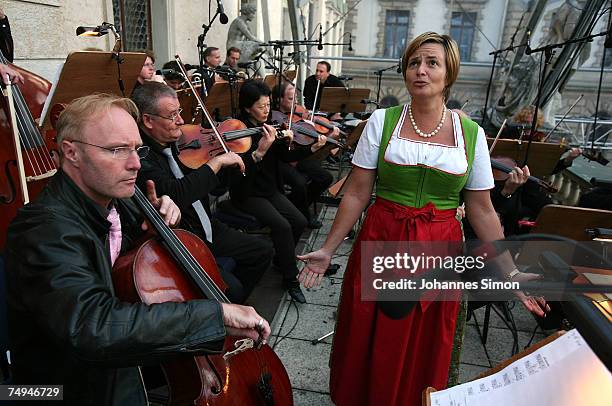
point(343, 100)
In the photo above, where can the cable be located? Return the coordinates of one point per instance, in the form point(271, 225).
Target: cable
point(297, 319)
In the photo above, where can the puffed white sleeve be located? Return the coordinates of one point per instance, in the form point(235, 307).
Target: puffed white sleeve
point(481, 175)
point(366, 153)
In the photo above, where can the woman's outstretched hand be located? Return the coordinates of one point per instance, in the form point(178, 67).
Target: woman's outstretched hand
point(536, 305)
point(316, 264)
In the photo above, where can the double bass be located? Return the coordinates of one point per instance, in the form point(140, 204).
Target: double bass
point(38, 165)
point(179, 267)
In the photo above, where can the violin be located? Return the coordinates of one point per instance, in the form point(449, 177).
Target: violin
point(179, 267)
point(321, 124)
point(198, 145)
point(303, 132)
point(502, 166)
point(20, 183)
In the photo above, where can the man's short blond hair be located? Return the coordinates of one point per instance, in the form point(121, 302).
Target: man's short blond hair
point(451, 51)
point(81, 111)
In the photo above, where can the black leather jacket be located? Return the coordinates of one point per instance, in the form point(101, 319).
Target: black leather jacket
point(65, 323)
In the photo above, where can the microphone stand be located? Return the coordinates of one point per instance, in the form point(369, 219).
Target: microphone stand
point(548, 52)
point(202, 46)
point(379, 80)
point(280, 46)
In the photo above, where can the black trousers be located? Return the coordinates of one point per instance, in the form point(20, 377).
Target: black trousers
point(308, 180)
point(286, 225)
point(251, 254)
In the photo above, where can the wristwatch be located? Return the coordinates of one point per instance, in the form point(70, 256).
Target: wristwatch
point(512, 274)
point(506, 196)
point(256, 157)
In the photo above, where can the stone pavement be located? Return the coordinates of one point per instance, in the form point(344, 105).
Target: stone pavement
point(295, 326)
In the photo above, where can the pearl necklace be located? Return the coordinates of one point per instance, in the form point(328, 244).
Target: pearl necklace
point(421, 133)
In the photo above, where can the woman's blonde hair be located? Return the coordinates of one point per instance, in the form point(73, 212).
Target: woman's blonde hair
point(523, 116)
point(83, 110)
point(451, 51)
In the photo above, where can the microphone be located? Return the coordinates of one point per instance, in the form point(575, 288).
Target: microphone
point(245, 65)
point(164, 72)
point(345, 77)
point(222, 16)
point(528, 48)
point(399, 66)
point(350, 48)
point(320, 46)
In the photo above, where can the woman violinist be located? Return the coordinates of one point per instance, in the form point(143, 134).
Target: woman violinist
point(308, 180)
point(422, 157)
point(259, 192)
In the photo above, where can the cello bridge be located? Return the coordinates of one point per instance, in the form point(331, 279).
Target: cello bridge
point(241, 346)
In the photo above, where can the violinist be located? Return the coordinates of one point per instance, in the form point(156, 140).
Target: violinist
point(147, 72)
point(67, 327)
point(160, 122)
point(308, 180)
point(322, 74)
point(232, 57)
point(259, 193)
point(212, 60)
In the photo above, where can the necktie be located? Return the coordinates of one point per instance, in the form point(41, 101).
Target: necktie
point(197, 205)
point(114, 234)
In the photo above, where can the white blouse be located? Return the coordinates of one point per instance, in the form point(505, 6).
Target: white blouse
point(447, 158)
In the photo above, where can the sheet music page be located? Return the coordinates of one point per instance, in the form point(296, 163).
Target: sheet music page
point(47, 105)
point(564, 372)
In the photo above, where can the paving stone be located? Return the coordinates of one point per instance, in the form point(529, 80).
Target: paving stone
point(522, 318)
point(499, 345)
point(308, 398)
point(468, 372)
point(306, 364)
point(328, 293)
point(313, 322)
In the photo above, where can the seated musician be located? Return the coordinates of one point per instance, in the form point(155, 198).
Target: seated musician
point(147, 72)
point(259, 193)
point(160, 122)
point(232, 58)
point(308, 180)
point(172, 75)
point(322, 74)
point(212, 60)
point(13, 75)
point(67, 327)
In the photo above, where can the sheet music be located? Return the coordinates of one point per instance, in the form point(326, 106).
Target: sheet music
point(599, 279)
point(564, 372)
point(47, 105)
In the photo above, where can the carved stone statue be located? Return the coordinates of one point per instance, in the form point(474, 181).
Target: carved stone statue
point(241, 37)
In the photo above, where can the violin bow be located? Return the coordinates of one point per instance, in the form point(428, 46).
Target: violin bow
point(314, 103)
point(562, 118)
point(497, 136)
point(213, 123)
point(18, 155)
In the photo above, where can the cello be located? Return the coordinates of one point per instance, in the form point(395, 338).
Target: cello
point(38, 165)
point(179, 267)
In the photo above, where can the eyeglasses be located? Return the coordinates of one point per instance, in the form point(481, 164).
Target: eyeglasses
point(121, 152)
point(173, 117)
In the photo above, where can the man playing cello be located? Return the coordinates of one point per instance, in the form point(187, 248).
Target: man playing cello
point(67, 326)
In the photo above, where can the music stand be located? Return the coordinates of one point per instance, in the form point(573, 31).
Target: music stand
point(547, 154)
point(219, 100)
point(343, 100)
point(272, 80)
point(88, 72)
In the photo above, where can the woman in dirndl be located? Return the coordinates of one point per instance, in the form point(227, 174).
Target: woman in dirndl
point(423, 158)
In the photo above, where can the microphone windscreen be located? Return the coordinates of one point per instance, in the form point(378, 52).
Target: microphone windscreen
point(223, 19)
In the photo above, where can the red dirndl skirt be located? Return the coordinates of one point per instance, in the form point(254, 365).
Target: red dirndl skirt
point(376, 360)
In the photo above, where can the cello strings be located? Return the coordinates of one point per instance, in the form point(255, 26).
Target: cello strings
point(186, 258)
point(31, 137)
point(47, 162)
